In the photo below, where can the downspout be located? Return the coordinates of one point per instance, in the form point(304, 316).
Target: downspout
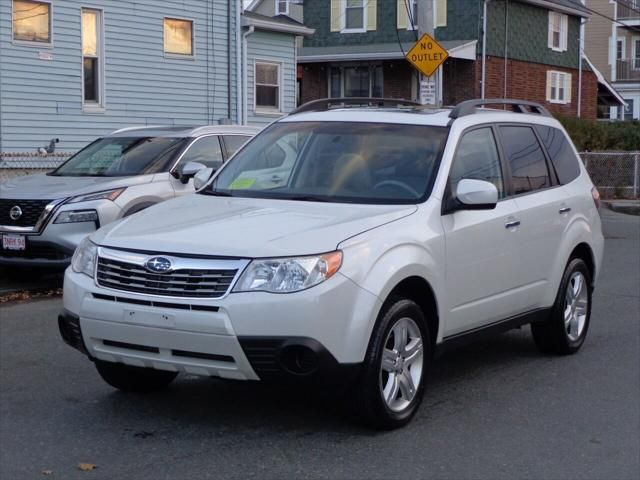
point(581, 48)
point(484, 49)
point(229, 91)
point(244, 74)
point(238, 65)
point(506, 44)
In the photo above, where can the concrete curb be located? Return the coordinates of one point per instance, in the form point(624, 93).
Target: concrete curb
point(628, 207)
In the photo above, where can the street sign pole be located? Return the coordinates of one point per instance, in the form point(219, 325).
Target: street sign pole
point(426, 25)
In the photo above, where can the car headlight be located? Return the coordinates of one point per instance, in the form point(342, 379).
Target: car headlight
point(84, 258)
point(106, 195)
point(76, 216)
point(286, 275)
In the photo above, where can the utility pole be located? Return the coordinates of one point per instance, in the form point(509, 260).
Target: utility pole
point(430, 88)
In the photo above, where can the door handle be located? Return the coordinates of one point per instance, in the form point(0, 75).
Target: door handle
point(564, 210)
point(512, 224)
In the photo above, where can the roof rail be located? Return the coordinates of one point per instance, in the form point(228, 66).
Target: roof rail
point(137, 127)
point(469, 107)
point(326, 103)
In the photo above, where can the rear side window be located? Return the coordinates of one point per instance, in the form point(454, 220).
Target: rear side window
point(562, 155)
point(526, 160)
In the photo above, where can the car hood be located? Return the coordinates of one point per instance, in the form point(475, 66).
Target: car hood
point(49, 187)
point(245, 227)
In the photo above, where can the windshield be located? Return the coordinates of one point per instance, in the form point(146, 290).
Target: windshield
point(335, 162)
point(122, 156)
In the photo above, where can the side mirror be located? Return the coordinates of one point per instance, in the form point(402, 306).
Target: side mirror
point(202, 177)
point(189, 170)
point(473, 195)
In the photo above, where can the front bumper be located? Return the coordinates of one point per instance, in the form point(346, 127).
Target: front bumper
point(322, 332)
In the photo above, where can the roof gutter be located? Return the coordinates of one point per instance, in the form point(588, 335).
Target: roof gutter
point(558, 8)
point(277, 26)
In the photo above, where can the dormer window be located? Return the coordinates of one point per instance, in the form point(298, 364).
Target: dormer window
point(282, 7)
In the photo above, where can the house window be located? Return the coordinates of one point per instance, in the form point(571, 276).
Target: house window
point(282, 7)
point(558, 87)
point(356, 81)
point(92, 78)
point(178, 37)
point(620, 49)
point(354, 11)
point(267, 86)
point(636, 53)
point(628, 110)
point(409, 12)
point(32, 21)
point(558, 29)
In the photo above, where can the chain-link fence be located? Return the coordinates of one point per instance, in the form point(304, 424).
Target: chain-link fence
point(18, 164)
point(616, 174)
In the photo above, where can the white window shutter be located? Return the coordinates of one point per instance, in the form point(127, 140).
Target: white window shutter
point(567, 87)
point(564, 31)
point(336, 14)
point(549, 82)
point(402, 17)
point(550, 30)
point(441, 13)
point(372, 14)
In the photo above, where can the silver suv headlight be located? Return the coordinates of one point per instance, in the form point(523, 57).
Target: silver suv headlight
point(106, 195)
point(286, 275)
point(84, 258)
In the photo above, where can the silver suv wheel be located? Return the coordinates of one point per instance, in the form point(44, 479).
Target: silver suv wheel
point(401, 366)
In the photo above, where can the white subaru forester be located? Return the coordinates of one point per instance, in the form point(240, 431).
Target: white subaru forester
point(352, 239)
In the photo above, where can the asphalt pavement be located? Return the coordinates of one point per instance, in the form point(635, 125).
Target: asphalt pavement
point(497, 409)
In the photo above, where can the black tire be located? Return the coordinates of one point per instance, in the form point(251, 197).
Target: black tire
point(552, 335)
point(134, 379)
point(367, 399)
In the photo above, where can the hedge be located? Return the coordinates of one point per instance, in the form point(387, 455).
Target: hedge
point(591, 135)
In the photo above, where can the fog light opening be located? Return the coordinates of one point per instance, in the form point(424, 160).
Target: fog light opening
point(299, 360)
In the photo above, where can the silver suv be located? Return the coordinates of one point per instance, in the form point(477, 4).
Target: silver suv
point(44, 217)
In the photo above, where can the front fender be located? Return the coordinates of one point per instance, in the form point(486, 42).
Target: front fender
point(372, 265)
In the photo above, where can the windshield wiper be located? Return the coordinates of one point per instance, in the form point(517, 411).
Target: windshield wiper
point(217, 193)
point(305, 198)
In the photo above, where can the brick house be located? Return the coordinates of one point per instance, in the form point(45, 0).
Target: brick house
point(532, 51)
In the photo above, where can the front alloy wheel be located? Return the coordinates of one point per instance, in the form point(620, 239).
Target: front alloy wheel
point(390, 387)
point(401, 366)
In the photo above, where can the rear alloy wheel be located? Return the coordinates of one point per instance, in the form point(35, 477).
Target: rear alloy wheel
point(390, 388)
point(134, 379)
point(565, 330)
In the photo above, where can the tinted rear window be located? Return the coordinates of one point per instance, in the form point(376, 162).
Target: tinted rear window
point(562, 155)
point(527, 162)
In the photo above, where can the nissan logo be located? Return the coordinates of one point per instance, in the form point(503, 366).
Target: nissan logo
point(15, 213)
point(158, 265)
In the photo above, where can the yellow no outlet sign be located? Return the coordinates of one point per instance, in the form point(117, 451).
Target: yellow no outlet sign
point(427, 55)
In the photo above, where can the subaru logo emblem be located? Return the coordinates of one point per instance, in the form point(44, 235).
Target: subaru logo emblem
point(158, 265)
point(15, 213)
